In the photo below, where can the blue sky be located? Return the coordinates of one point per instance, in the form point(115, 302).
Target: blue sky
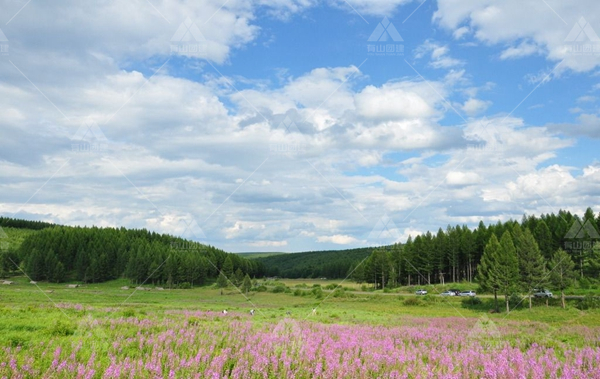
point(283, 133)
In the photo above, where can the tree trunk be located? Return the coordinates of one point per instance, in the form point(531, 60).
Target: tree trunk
point(562, 298)
point(530, 301)
point(507, 304)
point(496, 300)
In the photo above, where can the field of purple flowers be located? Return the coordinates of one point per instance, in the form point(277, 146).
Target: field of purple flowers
point(187, 344)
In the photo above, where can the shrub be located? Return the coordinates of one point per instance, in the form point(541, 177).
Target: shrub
point(331, 286)
point(184, 286)
point(339, 293)
point(298, 292)
point(278, 289)
point(261, 289)
point(318, 292)
point(515, 301)
point(471, 301)
point(411, 301)
point(588, 302)
point(62, 329)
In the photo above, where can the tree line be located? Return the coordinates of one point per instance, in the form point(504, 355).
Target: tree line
point(93, 255)
point(24, 224)
point(456, 253)
point(332, 264)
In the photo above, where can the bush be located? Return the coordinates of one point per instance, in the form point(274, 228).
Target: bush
point(588, 302)
point(515, 301)
point(62, 329)
point(318, 292)
point(184, 286)
point(339, 293)
point(331, 286)
point(585, 283)
point(261, 289)
point(278, 289)
point(471, 301)
point(298, 292)
point(411, 301)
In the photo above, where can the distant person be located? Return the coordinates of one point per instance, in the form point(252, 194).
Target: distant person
point(224, 311)
point(251, 312)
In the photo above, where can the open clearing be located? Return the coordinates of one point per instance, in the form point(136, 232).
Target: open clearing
point(104, 331)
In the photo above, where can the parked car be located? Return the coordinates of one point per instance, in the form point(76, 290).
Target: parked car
point(456, 292)
point(421, 292)
point(542, 293)
point(468, 293)
point(448, 293)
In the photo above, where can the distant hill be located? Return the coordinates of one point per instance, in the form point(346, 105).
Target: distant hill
point(90, 254)
point(333, 264)
point(259, 255)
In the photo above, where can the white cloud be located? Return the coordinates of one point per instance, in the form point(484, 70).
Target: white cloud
point(522, 50)
point(373, 7)
point(460, 32)
point(475, 106)
point(458, 178)
point(394, 102)
point(439, 55)
point(509, 23)
point(338, 239)
point(586, 99)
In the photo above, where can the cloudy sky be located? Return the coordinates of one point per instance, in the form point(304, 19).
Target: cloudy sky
point(290, 125)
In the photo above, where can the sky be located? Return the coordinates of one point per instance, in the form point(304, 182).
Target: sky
point(294, 125)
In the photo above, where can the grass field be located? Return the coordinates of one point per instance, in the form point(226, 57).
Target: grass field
point(94, 330)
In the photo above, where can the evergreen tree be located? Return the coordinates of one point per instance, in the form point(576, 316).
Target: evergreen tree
point(506, 269)
point(562, 272)
point(543, 237)
point(238, 277)
point(531, 263)
point(222, 282)
point(246, 284)
point(227, 269)
point(486, 273)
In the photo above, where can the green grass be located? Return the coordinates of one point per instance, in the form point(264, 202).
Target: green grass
point(36, 308)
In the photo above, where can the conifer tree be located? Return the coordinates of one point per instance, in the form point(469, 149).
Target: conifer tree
point(506, 269)
point(562, 272)
point(486, 275)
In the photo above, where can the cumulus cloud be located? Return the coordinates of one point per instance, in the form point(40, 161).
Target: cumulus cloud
point(193, 148)
point(554, 31)
point(475, 106)
point(439, 55)
point(338, 239)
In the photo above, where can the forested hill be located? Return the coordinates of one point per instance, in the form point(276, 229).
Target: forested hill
point(332, 264)
point(23, 224)
point(59, 253)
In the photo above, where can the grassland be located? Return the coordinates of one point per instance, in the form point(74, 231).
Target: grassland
point(45, 318)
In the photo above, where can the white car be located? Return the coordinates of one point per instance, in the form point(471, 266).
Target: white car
point(421, 292)
point(448, 293)
point(542, 293)
point(468, 293)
